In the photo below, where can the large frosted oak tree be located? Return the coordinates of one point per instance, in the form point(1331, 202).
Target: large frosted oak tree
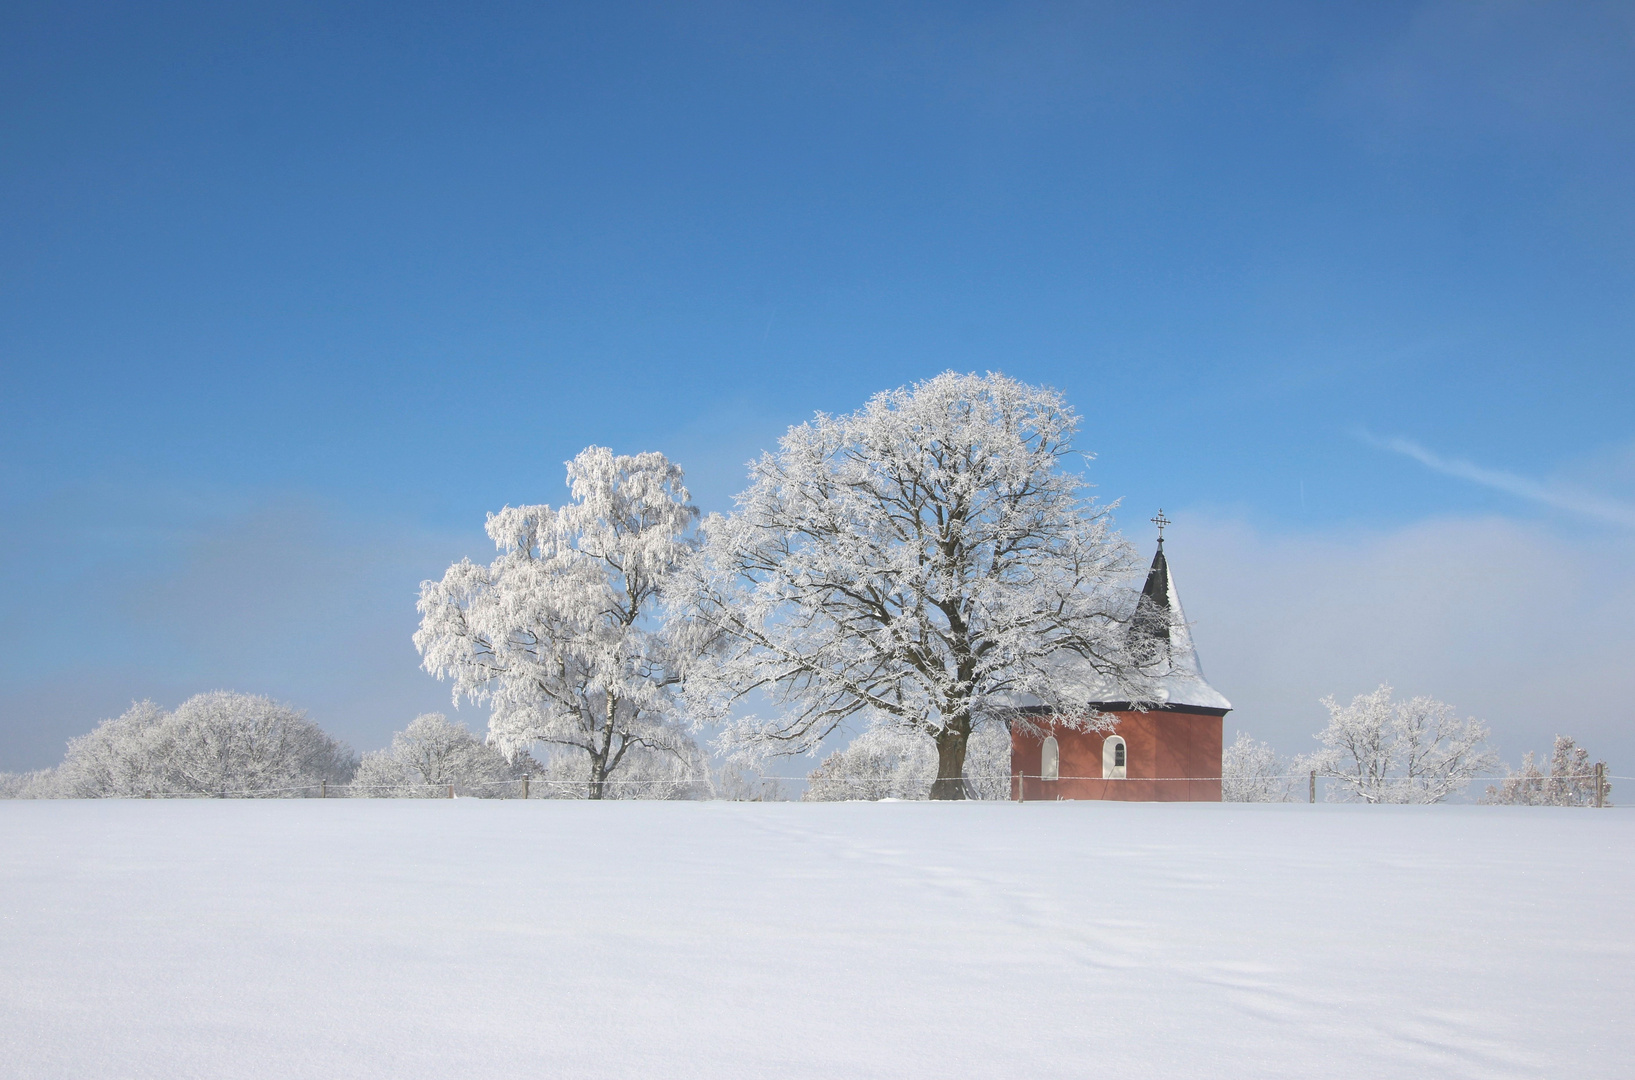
point(925, 563)
point(563, 634)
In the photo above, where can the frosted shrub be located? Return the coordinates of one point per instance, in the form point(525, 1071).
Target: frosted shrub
point(432, 753)
point(39, 784)
point(736, 784)
point(879, 764)
point(1571, 781)
point(886, 763)
point(679, 773)
point(213, 744)
point(120, 757)
point(1253, 772)
point(988, 763)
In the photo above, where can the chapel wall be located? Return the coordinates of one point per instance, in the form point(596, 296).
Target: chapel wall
point(1170, 757)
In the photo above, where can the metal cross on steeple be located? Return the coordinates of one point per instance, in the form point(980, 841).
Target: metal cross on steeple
point(1160, 521)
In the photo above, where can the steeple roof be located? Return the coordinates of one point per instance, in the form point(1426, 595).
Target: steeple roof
point(1180, 678)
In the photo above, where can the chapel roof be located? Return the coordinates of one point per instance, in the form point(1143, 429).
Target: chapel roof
point(1179, 678)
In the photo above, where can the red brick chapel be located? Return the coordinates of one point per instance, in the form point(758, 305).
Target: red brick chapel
point(1169, 753)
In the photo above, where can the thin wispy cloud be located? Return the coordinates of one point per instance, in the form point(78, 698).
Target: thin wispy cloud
point(1561, 496)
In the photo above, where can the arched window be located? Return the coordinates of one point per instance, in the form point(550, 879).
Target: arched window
point(1050, 759)
point(1113, 756)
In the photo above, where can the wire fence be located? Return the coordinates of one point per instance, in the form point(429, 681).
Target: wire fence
point(1024, 787)
point(522, 787)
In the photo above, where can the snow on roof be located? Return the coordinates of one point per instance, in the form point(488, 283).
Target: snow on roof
point(1180, 678)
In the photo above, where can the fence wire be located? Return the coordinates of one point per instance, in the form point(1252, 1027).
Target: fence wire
point(448, 789)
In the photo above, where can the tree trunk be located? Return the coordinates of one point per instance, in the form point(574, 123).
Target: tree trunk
point(598, 758)
point(950, 782)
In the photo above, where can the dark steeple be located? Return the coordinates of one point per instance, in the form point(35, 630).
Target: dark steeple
point(1152, 617)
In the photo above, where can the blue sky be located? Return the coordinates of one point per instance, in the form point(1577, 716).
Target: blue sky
point(291, 295)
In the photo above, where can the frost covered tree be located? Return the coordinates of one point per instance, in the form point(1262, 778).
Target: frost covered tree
point(1524, 787)
point(1571, 780)
point(432, 753)
point(1414, 751)
point(736, 784)
point(220, 743)
point(1252, 771)
point(563, 634)
point(924, 564)
point(884, 763)
point(898, 763)
point(988, 763)
point(123, 756)
point(679, 771)
point(38, 784)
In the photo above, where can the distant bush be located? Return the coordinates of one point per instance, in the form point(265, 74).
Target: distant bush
point(219, 743)
point(433, 753)
point(879, 764)
point(736, 784)
point(988, 763)
point(1252, 771)
point(39, 784)
point(1571, 780)
point(680, 771)
point(888, 763)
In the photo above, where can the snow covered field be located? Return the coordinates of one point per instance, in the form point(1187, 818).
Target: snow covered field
point(569, 939)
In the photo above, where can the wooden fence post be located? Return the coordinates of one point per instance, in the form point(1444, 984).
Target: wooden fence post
point(1311, 790)
point(1600, 784)
point(323, 790)
point(451, 791)
point(524, 785)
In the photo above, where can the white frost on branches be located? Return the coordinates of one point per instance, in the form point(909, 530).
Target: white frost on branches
point(1252, 771)
point(681, 771)
point(737, 784)
point(213, 744)
point(1415, 751)
point(563, 634)
point(1571, 781)
point(36, 784)
point(894, 763)
point(924, 565)
point(988, 763)
point(120, 757)
point(885, 763)
point(433, 753)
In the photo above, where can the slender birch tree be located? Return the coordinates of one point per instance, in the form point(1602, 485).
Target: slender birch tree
point(925, 563)
point(563, 634)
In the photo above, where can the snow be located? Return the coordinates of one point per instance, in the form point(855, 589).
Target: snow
point(388, 938)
